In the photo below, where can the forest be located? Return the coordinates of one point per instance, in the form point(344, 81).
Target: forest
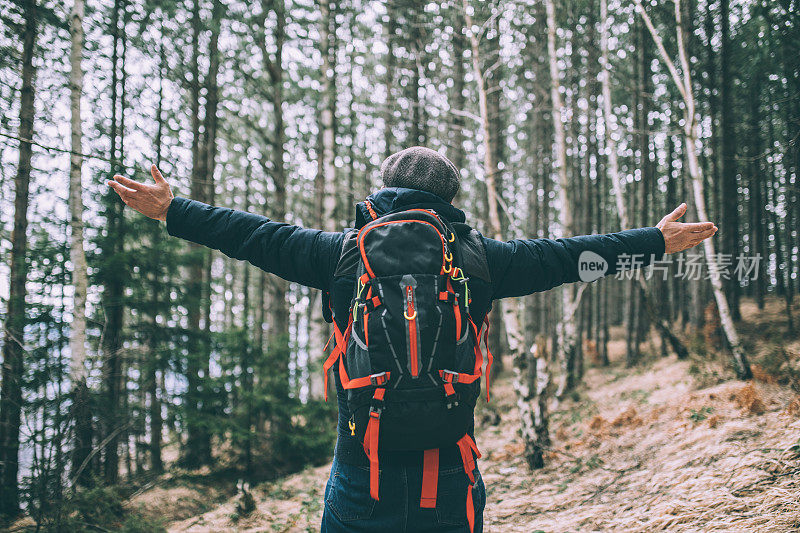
point(130, 357)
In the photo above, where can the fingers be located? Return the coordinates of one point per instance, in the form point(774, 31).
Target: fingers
point(121, 189)
point(697, 227)
point(129, 183)
point(677, 212)
point(157, 177)
point(697, 238)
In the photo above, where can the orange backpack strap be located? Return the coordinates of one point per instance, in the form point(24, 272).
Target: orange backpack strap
point(430, 478)
point(467, 447)
point(371, 441)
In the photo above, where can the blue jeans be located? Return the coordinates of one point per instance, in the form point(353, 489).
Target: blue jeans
point(350, 509)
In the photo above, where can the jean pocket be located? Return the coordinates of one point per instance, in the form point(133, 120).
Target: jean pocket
point(349, 497)
point(451, 498)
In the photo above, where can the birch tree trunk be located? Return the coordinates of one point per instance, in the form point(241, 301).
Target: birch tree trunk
point(490, 167)
point(81, 410)
point(566, 331)
point(611, 135)
point(327, 33)
point(532, 385)
point(531, 399)
point(691, 135)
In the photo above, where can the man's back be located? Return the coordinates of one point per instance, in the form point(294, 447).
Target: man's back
point(310, 257)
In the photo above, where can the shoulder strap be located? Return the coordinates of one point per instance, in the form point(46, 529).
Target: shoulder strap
point(473, 252)
point(348, 258)
point(347, 264)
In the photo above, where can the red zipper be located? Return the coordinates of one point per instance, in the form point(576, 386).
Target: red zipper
point(411, 316)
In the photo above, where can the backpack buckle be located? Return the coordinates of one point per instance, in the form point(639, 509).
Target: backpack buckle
point(376, 405)
point(451, 398)
point(376, 408)
point(452, 401)
point(378, 379)
point(448, 376)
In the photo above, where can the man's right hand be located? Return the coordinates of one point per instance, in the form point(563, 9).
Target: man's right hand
point(150, 200)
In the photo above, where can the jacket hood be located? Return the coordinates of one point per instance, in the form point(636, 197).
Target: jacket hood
point(390, 199)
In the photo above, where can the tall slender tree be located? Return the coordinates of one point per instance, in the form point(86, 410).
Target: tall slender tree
point(14, 335)
point(611, 136)
point(691, 136)
point(729, 186)
point(81, 409)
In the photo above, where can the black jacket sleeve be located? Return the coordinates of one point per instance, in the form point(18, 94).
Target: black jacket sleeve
point(305, 256)
point(525, 266)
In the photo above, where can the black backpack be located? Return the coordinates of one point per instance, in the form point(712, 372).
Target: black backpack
point(410, 357)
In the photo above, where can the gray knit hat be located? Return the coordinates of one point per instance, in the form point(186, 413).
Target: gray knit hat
point(422, 169)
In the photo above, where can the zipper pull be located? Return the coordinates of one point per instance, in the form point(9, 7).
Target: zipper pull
point(352, 425)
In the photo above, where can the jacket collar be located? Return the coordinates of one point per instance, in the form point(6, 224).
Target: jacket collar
point(390, 199)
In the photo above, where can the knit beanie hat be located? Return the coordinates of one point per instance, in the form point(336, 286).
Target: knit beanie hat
point(422, 169)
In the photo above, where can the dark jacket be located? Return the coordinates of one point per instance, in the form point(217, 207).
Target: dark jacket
point(309, 257)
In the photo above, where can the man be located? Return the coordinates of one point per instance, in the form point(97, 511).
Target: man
point(415, 178)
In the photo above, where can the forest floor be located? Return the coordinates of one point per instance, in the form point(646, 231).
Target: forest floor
point(668, 445)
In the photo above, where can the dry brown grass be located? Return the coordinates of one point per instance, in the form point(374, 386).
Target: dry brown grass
point(749, 400)
point(652, 449)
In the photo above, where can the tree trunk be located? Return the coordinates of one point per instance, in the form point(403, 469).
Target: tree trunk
point(508, 312)
point(192, 454)
point(198, 443)
point(757, 192)
point(458, 101)
point(113, 283)
point(566, 329)
point(691, 135)
point(151, 364)
point(533, 406)
point(611, 133)
point(278, 339)
point(390, 27)
point(532, 384)
point(81, 410)
point(730, 193)
point(13, 343)
point(327, 31)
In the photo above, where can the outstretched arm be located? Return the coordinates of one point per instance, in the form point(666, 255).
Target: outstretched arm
point(525, 266)
point(294, 253)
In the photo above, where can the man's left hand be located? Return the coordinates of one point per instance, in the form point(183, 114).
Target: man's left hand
point(679, 236)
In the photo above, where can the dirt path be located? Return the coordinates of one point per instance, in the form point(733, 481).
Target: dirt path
point(640, 450)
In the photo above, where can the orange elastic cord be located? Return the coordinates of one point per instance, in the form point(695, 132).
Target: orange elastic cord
point(372, 212)
point(477, 348)
point(489, 356)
